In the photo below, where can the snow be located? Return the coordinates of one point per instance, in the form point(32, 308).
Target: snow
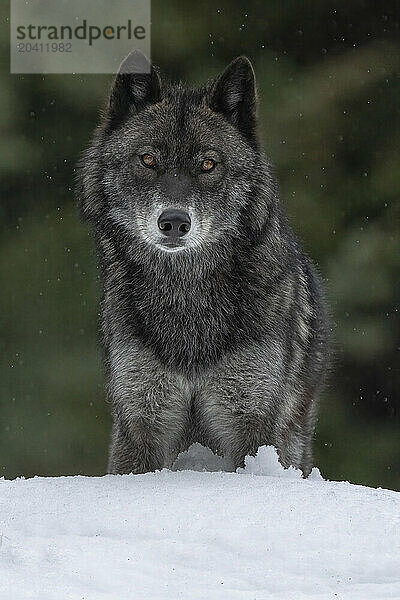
point(263, 533)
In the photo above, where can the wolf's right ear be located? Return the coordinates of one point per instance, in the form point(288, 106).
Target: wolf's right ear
point(136, 85)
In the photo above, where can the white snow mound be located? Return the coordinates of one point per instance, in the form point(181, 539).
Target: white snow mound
point(199, 535)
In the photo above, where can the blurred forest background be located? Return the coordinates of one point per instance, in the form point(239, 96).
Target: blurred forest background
point(329, 85)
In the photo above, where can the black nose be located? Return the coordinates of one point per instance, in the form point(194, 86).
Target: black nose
point(174, 223)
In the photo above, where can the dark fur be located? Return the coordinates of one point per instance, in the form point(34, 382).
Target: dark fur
point(224, 342)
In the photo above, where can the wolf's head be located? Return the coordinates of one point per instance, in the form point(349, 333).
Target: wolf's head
point(175, 171)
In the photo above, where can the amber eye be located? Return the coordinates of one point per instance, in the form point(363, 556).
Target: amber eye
point(148, 160)
point(208, 164)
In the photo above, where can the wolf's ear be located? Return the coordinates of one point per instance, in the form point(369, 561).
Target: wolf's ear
point(136, 85)
point(234, 95)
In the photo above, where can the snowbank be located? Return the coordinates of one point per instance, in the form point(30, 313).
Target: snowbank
point(263, 533)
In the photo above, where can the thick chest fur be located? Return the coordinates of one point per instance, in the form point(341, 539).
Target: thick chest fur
point(189, 325)
point(190, 322)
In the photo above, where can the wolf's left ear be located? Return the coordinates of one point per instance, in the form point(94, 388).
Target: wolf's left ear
point(234, 95)
point(136, 86)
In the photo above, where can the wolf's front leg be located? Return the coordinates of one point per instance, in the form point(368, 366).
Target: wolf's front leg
point(249, 401)
point(150, 412)
point(133, 453)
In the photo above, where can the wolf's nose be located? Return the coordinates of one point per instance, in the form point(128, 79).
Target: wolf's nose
point(174, 223)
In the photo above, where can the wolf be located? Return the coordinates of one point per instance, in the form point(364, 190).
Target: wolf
point(214, 325)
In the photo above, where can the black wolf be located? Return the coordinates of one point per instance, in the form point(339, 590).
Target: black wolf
point(214, 324)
